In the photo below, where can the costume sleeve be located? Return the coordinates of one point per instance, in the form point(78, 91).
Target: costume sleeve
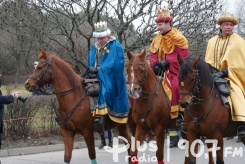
point(92, 57)
point(153, 58)
point(183, 53)
point(6, 99)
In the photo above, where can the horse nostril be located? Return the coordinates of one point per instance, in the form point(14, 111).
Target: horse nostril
point(139, 89)
point(184, 104)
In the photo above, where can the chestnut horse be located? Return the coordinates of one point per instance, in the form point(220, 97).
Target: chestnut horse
point(151, 105)
point(74, 114)
point(205, 114)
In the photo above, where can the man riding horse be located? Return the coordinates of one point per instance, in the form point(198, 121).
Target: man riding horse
point(106, 62)
point(165, 47)
point(226, 52)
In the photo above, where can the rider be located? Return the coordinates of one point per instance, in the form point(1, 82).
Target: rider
point(164, 49)
point(106, 59)
point(226, 52)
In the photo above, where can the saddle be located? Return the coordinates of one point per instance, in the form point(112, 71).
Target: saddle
point(92, 87)
point(223, 86)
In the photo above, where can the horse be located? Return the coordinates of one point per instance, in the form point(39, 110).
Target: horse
point(205, 114)
point(74, 113)
point(150, 104)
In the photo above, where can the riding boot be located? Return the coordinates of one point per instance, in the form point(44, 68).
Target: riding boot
point(174, 138)
point(110, 138)
point(238, 140)
point(103, 143)
point(241, 130)
point(98, 126)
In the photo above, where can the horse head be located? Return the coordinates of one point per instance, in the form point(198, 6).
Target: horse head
point(187, 76)
point(137, 72)
point(42, 73)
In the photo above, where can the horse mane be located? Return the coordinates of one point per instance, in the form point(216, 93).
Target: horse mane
point(205, 76)
point(63, 66)
point(67, 70)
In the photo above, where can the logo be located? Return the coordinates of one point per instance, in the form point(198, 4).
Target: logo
point(152, 147)
point(117, 149)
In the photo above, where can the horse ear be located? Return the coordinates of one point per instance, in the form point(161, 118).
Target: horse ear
point(180, 61)
point(194, 65)
point(43, 54)
point(129, 55)
point(143, 54)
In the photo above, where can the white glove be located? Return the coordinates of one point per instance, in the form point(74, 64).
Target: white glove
point(16, 95)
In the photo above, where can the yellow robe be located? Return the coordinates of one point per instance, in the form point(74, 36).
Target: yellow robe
point(233, 57)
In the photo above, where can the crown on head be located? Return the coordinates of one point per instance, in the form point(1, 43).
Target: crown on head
point(163, 12)
point(100, 26)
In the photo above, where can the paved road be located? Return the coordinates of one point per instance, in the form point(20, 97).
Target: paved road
point(235, 154)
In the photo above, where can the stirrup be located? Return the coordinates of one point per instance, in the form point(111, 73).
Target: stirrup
point(180, 120)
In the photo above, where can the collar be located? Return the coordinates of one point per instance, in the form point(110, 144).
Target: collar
point(112, 38)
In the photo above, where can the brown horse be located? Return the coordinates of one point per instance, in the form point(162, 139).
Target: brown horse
point(205, 114)
point(151, 106)
point(74, 114)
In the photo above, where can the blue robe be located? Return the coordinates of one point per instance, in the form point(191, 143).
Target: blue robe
point(113, 97)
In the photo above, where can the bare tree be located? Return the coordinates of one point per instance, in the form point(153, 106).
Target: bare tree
point(66, 26)
point(240, 13)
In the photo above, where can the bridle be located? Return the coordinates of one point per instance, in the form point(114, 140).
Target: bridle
point(146, 95)
point(195, 100)
point(195, 90)
point(38, 79)
point(143, 80)
point(46, 69)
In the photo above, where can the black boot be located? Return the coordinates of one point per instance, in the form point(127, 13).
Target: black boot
point(174, 141)
point(241, 131)
point(238, 140)
point(110, 137)
point(103, 143)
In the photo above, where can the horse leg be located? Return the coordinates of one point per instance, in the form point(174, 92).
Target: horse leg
point(190, 158)
point(131, 124)
point(123, 131)
point(160, 138)
point(139, 136)
point(89, 139)
point(68, 139)
point(210, 155)
point(220, 158)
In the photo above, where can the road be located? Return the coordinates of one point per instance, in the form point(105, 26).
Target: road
point(235, 153)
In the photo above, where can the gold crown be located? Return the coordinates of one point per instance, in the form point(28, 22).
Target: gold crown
point(100, 26)
point(163, 12)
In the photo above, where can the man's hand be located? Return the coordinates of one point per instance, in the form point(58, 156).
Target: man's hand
point(16, 95)
point(160, 67)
